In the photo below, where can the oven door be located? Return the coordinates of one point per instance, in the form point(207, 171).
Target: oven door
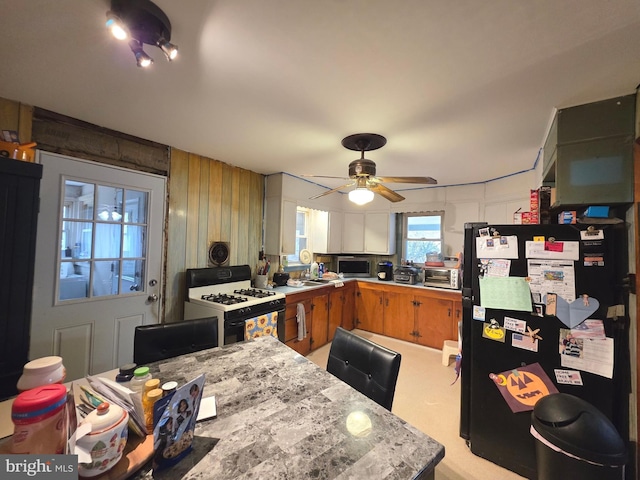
point(234, 329)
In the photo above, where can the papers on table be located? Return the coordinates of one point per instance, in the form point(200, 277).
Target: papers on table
point(124, 397)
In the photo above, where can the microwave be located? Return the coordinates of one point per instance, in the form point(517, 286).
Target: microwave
point(351, 267)
point(443, 277)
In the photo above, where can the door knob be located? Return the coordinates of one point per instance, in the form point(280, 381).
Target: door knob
point(152, 298)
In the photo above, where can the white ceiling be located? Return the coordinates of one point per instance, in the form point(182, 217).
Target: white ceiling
point(464, 91)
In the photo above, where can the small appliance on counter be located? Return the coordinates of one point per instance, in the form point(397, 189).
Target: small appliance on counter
point(385, 271)
point(280, 279)
point(408, 274)
point(442, 277)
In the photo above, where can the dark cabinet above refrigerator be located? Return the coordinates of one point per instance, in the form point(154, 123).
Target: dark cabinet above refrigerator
point(588, 154)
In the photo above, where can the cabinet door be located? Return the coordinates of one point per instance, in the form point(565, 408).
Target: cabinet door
point(336, 304)
point(291, 327)
point(457, 317)
point(319, 321)
point(379, 233)
point(288, 232)
point(349, 306)
point(433, 320)
point(369, 308)
point(353, 233)
point(335, 233)
point(399, 316)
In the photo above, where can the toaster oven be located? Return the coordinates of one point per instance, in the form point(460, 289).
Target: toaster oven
point(443, 277)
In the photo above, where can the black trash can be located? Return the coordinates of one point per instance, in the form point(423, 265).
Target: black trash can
point(575, 440)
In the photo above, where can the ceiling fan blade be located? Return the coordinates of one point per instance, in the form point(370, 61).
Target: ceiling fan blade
point(323, 176)
point(386, 192)
point(332, 190)
point(424, 180)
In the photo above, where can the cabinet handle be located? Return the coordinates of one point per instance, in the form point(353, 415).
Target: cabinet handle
point(380, 300)
point(448, 312)
point(387, 302)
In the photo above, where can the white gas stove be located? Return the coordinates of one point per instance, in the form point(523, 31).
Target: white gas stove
point(226, 292)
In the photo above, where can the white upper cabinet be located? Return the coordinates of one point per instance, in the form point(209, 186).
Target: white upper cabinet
point(380, 233)
point(353, 233)
point(326, 231)
point(279, 220)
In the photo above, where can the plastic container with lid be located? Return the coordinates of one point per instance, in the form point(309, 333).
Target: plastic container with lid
point(38, 416)
point(150, 397)
point(140, 377)
point(169, 387)
point(125, 373)
point(42, 371)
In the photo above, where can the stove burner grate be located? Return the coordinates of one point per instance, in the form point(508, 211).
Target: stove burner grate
point(223, 298)
point(252, 292)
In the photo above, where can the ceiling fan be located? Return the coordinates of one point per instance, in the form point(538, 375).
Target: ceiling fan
point(362, 172)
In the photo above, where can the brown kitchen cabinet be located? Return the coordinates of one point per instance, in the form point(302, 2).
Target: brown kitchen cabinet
point(349, 306)
point(434, 319)
point(316, 308)
point(341, 308)
point(291, 323)
point(424, 316)
point(369, 307)
point(320, 319)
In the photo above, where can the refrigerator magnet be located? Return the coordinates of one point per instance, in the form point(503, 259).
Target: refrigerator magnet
point(478, 313)
point(493, 331)
point(520, 340)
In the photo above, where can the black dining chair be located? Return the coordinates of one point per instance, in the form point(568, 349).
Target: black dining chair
point(165, 340)
point(368, 367)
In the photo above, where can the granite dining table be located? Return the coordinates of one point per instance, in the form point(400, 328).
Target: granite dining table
point(280, 416)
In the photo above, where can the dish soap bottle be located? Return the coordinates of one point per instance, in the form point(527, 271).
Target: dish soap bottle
point(314, 270)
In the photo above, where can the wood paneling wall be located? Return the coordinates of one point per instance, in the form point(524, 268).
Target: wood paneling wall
point(209, 201)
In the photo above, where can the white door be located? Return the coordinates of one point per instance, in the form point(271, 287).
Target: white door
point(98, 270)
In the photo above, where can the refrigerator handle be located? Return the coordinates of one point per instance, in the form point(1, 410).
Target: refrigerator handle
point(467, 297)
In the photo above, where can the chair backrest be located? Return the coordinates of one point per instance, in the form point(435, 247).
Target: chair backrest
point(368, 367)
point(157, 342)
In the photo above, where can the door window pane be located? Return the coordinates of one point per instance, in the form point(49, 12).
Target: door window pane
point(101, 226)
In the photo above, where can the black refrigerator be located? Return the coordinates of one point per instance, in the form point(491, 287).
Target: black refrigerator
point(488, 424)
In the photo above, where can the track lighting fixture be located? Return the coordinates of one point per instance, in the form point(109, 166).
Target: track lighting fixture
point(140, 22)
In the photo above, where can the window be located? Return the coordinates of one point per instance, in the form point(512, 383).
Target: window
point(421, 235)
point(302, 234)
point(103, 240)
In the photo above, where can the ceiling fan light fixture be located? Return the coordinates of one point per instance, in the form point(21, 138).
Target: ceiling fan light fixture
point(361, 195)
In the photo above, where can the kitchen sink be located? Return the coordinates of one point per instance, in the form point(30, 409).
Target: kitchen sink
point(311, 283)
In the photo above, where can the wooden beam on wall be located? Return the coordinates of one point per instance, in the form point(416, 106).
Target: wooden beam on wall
point(68, 136)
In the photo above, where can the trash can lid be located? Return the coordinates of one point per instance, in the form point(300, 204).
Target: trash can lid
point(579, 428)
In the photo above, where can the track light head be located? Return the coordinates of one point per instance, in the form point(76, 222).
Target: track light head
point(168, 48)
point(142, 59)
point(116, 26)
